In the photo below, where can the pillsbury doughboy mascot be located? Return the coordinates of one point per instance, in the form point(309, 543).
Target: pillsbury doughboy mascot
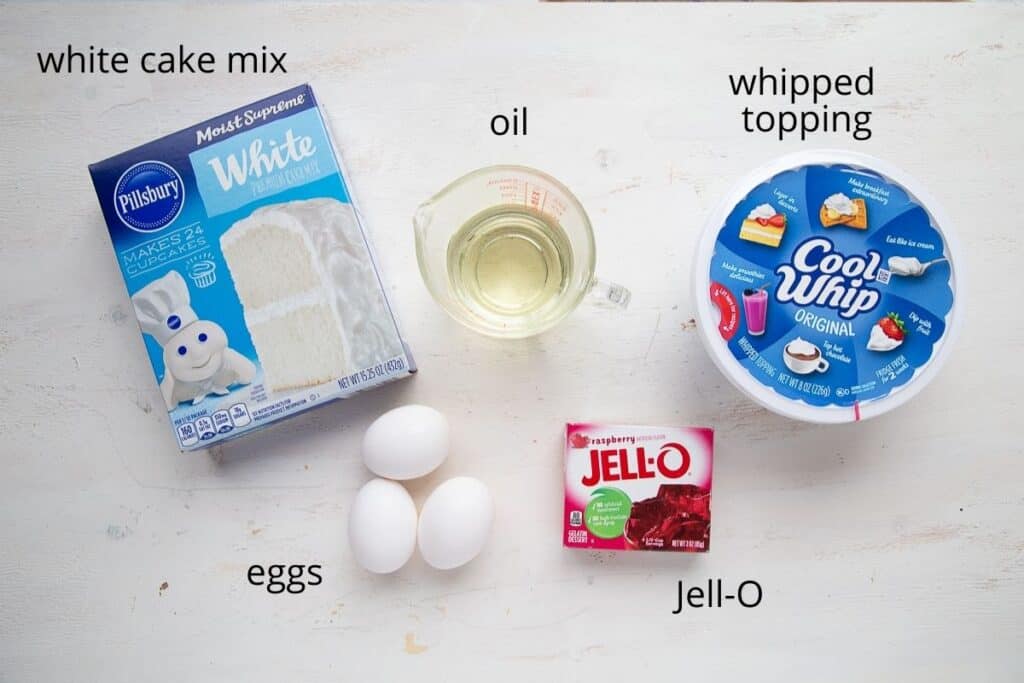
point(197, 359)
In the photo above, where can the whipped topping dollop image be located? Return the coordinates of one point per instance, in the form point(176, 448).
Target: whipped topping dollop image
point(908, 266)
point(801, 347)
point(842, 204)
point(880, 341)
point(762, 211)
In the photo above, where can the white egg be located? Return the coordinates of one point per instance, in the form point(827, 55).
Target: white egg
point(407, 442)
point(455, 522)
point(382, 526)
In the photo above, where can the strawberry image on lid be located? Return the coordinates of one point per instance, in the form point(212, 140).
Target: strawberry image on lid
point(887, 334)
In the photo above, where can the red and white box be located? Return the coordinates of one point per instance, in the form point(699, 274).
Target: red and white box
point(637, 488)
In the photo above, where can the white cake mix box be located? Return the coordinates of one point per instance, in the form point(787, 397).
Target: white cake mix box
point(249, 270)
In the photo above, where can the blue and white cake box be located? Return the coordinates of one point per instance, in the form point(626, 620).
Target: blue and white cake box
point(249, 270)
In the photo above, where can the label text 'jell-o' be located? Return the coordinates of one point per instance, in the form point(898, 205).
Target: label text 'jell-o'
point(620, 464)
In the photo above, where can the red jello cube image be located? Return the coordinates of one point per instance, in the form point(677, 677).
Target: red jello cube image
point(678, 518)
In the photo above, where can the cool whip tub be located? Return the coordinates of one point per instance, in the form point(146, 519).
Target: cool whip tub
point(828, 286)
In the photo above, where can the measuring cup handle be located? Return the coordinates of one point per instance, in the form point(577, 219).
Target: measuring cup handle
point(609, 293)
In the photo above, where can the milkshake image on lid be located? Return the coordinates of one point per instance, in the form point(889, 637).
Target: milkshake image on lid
point(755, 308)
point(828, 286)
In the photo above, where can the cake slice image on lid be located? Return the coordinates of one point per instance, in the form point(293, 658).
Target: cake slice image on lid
point(764, 225)
point(310, 296)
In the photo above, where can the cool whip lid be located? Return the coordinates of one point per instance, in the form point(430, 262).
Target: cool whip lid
point(827, 286)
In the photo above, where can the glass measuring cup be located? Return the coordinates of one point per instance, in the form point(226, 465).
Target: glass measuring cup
point(509, 252)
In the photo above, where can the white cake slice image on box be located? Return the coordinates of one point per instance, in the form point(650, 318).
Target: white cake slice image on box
point(310, 294)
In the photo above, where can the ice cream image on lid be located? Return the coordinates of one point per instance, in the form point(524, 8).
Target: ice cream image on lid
point(910, 265)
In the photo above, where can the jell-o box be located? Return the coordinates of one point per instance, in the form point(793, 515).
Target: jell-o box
point(637, 488)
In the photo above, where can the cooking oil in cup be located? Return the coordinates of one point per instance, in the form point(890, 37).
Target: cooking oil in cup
point(508, 251)
point(510, 264)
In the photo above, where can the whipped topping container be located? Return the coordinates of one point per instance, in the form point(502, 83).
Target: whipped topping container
point(870, 302)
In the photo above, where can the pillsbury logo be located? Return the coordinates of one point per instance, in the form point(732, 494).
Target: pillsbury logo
point(820, 276)
point(149, 196)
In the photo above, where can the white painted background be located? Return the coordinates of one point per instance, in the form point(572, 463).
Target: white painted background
point(889, 551)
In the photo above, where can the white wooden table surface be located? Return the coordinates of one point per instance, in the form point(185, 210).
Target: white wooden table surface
point(890, 550)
